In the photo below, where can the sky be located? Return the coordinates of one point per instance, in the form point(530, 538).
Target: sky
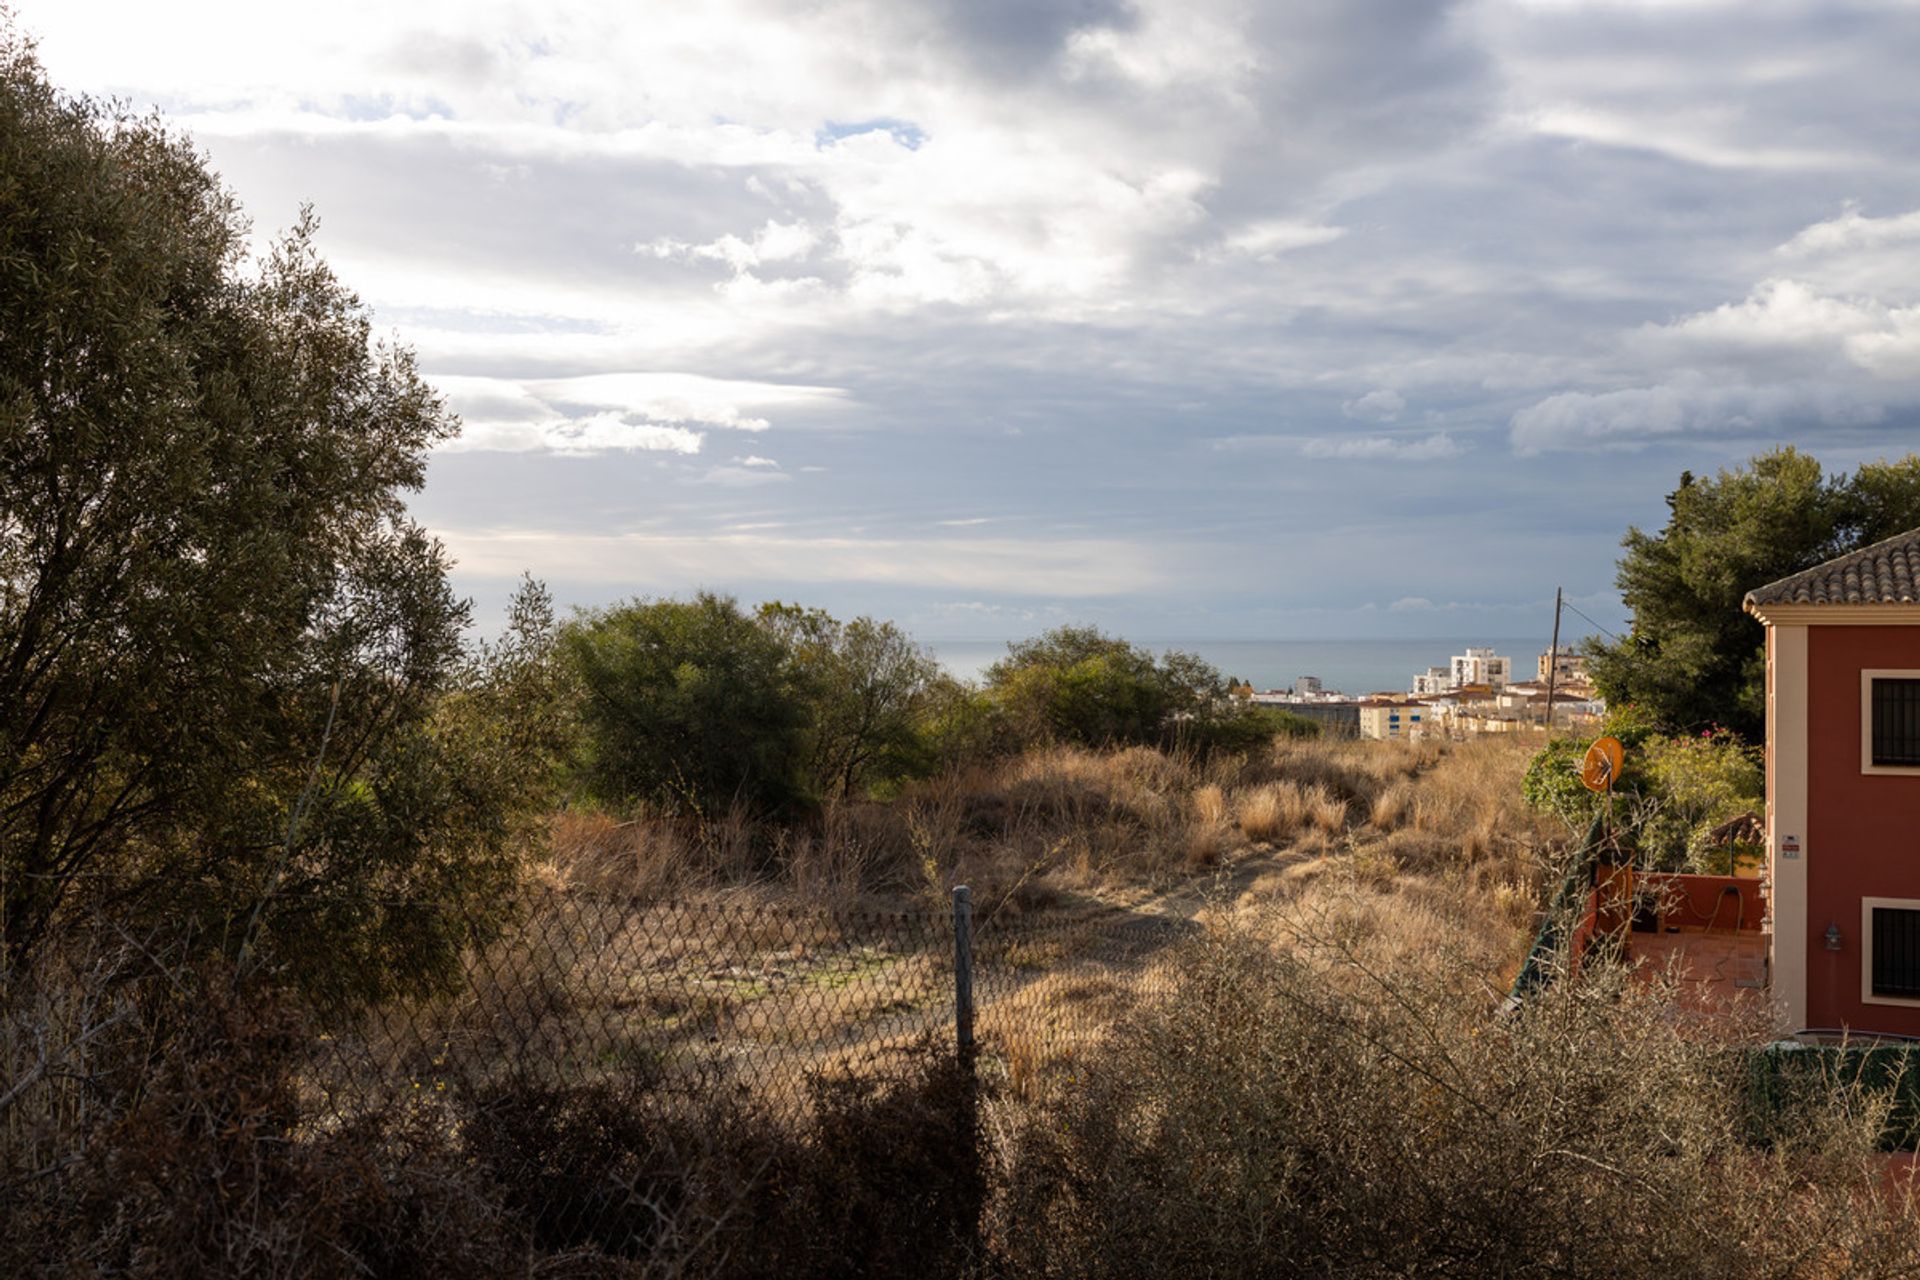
point(1188, 318)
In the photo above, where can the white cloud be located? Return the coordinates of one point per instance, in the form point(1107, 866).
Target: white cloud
point(1778, 314)
point(774, 242)
point(1077, 567)
point(1381, 405)
point(610, 433)
point(1268, 239)
point(1411, 604)
point(1853, 230)
point(612, 411)
point(1428, 448)
point(740, 477)
point(1708, 137)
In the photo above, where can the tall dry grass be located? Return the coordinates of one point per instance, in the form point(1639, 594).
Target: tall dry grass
point(1065, 820)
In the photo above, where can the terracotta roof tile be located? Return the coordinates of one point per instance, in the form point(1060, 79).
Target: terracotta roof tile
point(1885, 573)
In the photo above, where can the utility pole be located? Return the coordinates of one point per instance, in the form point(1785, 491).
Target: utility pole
point(1553, 660)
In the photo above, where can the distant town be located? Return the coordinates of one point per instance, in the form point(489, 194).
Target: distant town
point(1473, 694)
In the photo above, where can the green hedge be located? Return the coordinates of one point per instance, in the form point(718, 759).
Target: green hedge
point(1786, 1079)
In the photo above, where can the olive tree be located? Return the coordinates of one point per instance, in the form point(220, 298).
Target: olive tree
point(223, 643)
point(690, 706)
point(1079, 685)
point(869, 689)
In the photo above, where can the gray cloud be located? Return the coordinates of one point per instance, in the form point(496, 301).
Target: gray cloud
point(1143, 296)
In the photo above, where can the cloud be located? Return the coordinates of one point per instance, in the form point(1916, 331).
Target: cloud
point(1853, 231)
point(1011, 261)
point(1635, 417)
point(1268, 239)
point(607, 433)
point(612, 411)
point(1411, 604)
point(1076, 568)
point(1778, 316)
point(1702, 140)
point(740, 477)
point(1430, 448)
point(1382, 405)
point(774, 242)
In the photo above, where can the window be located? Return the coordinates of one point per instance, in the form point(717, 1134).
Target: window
point(1890, 720)
point(1895, 719)
point(1895, 935)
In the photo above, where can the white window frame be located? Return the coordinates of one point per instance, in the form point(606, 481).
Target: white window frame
point(1867, 676)
point(1866, 950)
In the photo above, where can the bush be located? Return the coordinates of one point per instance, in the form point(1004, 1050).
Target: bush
point(1699, 782)
point(1078, 686)
point(203, 1150)
point(1670, 795)
point(689, 705)
point(1346, 1103)
point(869, 691)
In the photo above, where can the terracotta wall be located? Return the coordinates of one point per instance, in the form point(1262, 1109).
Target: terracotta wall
point(1707, 902)
point(1863, 836)
point(1693, 902)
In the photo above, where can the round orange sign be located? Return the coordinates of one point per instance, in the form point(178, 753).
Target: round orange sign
point(1602, 765)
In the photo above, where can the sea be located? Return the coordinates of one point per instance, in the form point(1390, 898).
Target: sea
point(1349, 666)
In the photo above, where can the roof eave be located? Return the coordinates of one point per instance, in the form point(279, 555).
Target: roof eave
point(1787, 613)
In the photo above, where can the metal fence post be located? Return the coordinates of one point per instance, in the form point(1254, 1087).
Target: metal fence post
point(963, 971)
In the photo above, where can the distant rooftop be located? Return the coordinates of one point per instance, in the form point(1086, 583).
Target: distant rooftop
point(1885, 573)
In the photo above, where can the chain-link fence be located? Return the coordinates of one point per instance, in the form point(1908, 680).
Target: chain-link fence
point(758, 998)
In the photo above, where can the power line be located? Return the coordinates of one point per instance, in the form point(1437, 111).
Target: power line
point(1572, 608)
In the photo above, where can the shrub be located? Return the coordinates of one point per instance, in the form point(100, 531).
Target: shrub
point(1700, 782)
point(206, 1152)
point(1077, 685)
point(1345, 1102)
point(1671, 793)
point(689, 705)
point(869, 691)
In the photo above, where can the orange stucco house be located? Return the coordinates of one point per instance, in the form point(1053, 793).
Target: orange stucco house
point(1843, 791)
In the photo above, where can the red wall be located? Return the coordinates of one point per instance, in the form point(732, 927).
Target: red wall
point(1704, 902)
point(1692, 902)
point(1863, 837)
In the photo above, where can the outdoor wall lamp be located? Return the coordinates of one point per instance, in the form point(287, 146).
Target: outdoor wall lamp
point(1833, 936)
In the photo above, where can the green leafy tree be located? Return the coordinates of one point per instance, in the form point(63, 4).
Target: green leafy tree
point(963, 724)
point(691, 706)
point(1673, 790)
point(1552, 782)
point(869, 689)
point(1079, 685)
point(438, 822)
point(1693, 658)
point(1698, 781)
point(222, 641)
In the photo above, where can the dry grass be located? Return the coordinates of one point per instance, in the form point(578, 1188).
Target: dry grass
point(1315, 1083)
point(1427, 829)
point(1067, 821)
point(1333, 1092)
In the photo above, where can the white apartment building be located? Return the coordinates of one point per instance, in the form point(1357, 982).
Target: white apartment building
point(1481, 666)
point(1435, 680)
